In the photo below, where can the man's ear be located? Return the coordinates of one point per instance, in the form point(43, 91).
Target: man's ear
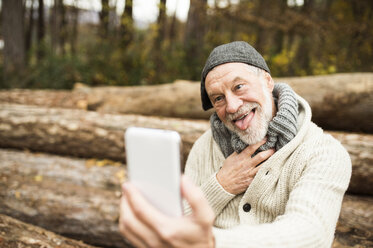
point(269, 81)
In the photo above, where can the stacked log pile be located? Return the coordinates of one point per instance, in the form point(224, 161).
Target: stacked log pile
point(80, 199)
point(14, 233)
point(77, 195)
point(339, 102)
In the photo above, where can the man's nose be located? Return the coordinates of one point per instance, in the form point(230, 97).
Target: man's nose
point(233, 104)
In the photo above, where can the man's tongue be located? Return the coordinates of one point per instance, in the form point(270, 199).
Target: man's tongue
point(244, 122)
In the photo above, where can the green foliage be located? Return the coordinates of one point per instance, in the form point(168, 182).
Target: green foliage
point(328, 37)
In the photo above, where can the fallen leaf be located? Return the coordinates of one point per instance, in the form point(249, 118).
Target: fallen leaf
point(17, 194)
point(90, 162)
point(121, 175)
point(38, 178)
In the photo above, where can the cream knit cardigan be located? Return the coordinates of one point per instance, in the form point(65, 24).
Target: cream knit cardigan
point(295, 197)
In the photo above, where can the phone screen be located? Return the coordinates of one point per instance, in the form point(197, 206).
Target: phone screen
point(153, 160)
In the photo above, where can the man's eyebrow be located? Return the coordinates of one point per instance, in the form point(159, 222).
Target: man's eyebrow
point(237, 79)
point(212, 94)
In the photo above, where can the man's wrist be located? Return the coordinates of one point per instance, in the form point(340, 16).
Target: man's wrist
point(221, 181)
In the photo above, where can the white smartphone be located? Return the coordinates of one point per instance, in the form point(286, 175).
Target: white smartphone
point(153, 162)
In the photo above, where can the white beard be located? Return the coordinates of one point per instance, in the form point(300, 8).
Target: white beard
point(258, 129)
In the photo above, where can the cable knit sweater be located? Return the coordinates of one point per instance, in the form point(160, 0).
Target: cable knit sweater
point(294, 199)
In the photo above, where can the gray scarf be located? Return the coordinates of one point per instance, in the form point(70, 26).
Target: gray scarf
point(282, 128)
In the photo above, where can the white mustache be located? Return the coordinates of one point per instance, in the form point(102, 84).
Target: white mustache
point(244, 109)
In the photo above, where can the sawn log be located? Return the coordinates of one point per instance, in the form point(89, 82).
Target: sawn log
point(79, 198)
point(15, 233)
point(339, 102)
point(96, 135)
point(75, 198)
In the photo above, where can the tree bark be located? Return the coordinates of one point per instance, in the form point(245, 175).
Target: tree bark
point(74, 27)
point(126, 24)
point(194, 35)
point(339, 102)
point(104, 19)
point(29, 28)
point(79, 199)
point(82, 133)
point(14, 38)
point(41, 31)
point(360, 148)
point(355, 224)
point(14, 233)
point(72, 197)
point(92, 134)
point(159, 38)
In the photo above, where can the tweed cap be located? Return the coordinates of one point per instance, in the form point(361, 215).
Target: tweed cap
point(237, 51)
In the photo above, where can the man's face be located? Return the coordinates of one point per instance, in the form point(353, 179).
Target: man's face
point(242, 99)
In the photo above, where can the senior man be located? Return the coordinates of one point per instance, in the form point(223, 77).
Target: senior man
point(269, 175)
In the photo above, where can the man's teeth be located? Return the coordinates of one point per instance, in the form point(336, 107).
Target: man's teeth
point(241, 117)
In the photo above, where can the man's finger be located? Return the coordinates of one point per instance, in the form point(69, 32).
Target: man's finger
point(128, 223)
point(262, 156)
point(196, 199)
point(250, 150)
point(255, 170)
point(143, 210)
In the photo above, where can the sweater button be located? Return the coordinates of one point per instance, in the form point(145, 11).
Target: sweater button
point(246, 207)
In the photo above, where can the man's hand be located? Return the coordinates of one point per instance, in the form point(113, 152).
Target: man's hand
point(239, 170)
point(145, 226)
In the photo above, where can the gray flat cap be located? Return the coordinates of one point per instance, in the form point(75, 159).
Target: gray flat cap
point(237, 51)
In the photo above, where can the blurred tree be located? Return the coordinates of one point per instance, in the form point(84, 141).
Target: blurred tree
point(74, 23)
point(58, 27)
point(194, 37)
point(160, 35)
point(41, 30)
point(104, 18)
point(14, 39)
point(29, 28)
point(126, 24)
point(295, 37)
point(161, 22)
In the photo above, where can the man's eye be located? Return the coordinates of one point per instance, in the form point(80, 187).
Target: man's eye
point(218, 98)
point(238, 86)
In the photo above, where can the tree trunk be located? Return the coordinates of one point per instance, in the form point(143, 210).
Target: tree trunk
point(29, 29)
point(355, 224)
point(194, 36)
point(41, 30)
point(62, 36)
point(158, 41)
point(82, 133)
point(339, 102)
point(360, 148)
point(104, 19)
point(58, 27)
point(74, 23)
point(14, 39)
point(72, 197)
point(79, 199)
point(91, 134)
point(126, 24)
point(14, 233)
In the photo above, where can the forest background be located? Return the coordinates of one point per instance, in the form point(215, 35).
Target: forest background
point(62, 152)
point(48, 46)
